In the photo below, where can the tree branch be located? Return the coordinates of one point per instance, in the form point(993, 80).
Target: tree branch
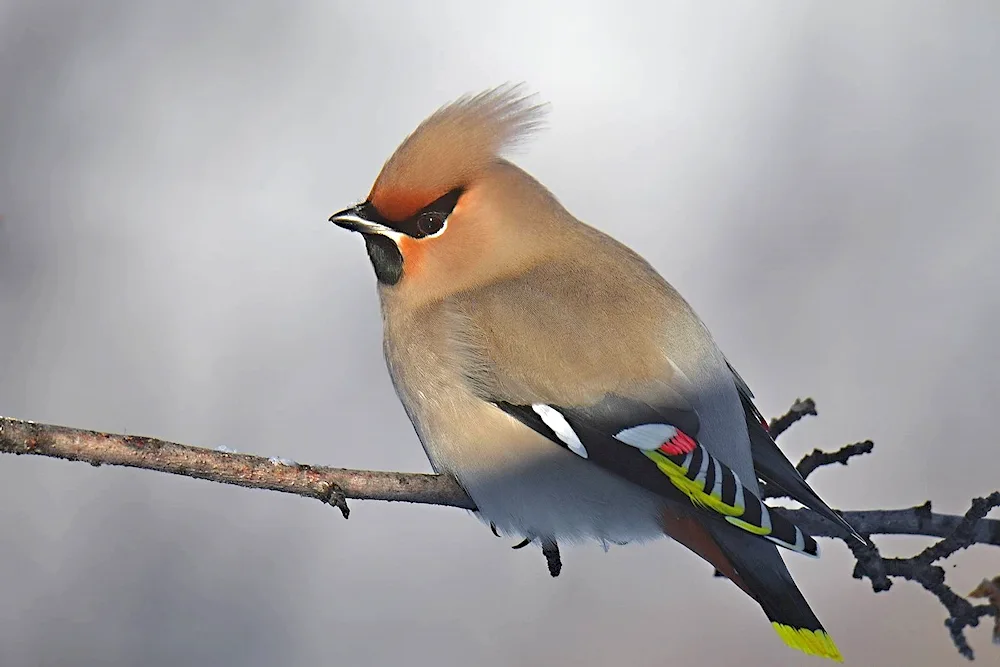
point(329, 485)
point(335, 485)
point(922, 569)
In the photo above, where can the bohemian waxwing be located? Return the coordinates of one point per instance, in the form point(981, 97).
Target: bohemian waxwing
point(569, 389)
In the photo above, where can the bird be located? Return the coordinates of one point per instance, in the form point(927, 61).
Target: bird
point(550, 370)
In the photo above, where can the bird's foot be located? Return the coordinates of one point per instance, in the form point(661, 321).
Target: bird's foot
point(551, 552)
point(549, 549)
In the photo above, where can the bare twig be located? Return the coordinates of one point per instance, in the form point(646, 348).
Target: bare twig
point(818, 458)
point(990, 589)
point(800, 408)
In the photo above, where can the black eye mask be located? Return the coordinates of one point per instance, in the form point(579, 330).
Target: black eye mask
point(382, 250)
point(426, 222)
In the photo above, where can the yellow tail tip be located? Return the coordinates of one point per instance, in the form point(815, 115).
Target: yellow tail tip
point(813, 642)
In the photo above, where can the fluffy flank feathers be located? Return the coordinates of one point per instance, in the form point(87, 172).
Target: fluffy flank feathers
point(452, 146)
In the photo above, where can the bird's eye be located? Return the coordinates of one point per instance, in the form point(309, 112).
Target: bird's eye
point(430, 222)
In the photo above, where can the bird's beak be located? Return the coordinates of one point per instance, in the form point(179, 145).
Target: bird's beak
point(351, 220)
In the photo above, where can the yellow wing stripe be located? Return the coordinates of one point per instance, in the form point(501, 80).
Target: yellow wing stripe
point(694, 488)
point(712, 486)
point(749, 527)
point(813, 642)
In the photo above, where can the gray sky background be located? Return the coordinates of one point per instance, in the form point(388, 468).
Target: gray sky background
point(822, 183)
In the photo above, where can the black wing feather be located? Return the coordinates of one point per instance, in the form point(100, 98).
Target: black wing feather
point(773, 466)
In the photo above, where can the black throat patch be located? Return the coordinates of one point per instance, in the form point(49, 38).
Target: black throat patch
point(385, 257)
point(382, 250)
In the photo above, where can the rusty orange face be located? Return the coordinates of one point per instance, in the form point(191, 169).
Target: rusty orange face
point(393, 240)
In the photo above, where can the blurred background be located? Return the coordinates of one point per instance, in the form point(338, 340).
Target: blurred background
point(822, 182)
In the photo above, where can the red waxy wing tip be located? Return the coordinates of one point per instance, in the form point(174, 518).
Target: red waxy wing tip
point(679, 444)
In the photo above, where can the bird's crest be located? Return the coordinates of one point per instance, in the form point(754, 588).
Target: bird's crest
point(452, 146)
